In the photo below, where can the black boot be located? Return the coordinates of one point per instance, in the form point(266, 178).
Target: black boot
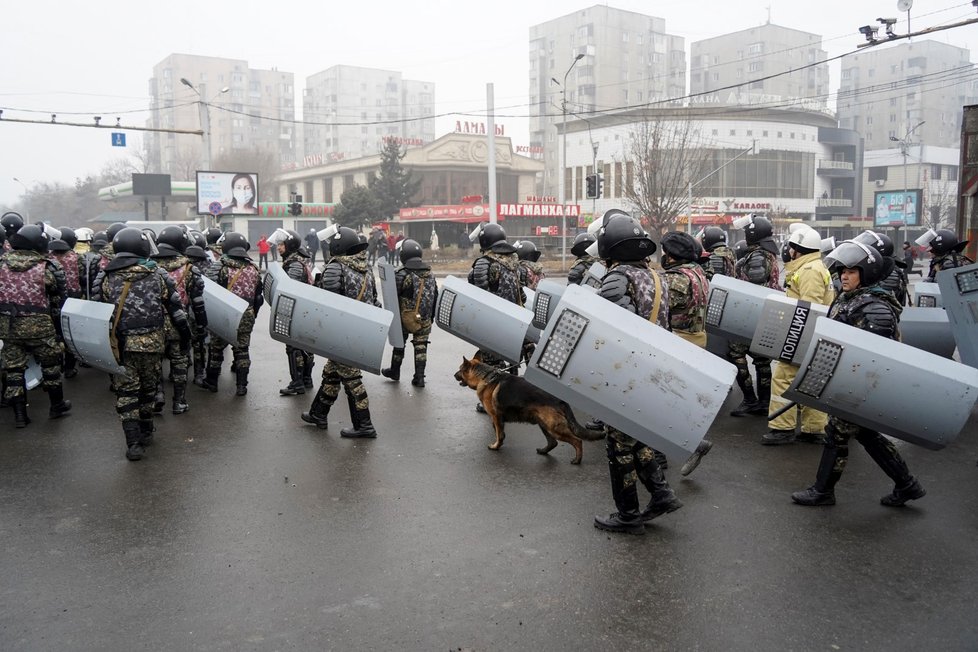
point(749, 405)
point(362, 428)
point(210, 381)
point(242, 378)
point(19, 403)
point(134, 450)
point(146, 430)
point(900, 495)
point(160, 401)
point(763, 389)
point(828, 474)
point(180, 398)
point(418, 380)
point(308, 362)
point(627, 519)
point(394, 371)
point(778, 437)
point(663, 499)
point(318, 411)
point(660, 459)
point(694, 460)
point(295, 386)
point(905, 486)
point(59, 406)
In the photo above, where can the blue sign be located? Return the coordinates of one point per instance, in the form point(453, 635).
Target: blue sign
point(118, 139)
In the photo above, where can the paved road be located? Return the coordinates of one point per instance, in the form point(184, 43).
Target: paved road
point(245, 529)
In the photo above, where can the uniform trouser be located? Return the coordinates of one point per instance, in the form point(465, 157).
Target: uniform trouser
point(198, 347)
point(419, 341)
point(812, 421)
point(46, 350)
point(881, 449)
point(698, 338)
point(629, 461)
point(179, 361)
point(335, 374)
point(737, 354)
point(135, 389)
point(239, 349)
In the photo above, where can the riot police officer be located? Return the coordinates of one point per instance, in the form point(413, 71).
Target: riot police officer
point(862, 304)
point(142, 293)
point(417, 294)
point(62, 250)
point(688, 287)
point(213, 245)
point(348, 274)
point(11, 223)
point(631, 285)
point(32, 289)
point(289, 246)
point(721, 260)
point(236, 272)
point(896, 281)
point(530, 268)
point(584, 260)
point(945, 251)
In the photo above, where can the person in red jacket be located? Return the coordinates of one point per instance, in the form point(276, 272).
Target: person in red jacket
point(263, 248)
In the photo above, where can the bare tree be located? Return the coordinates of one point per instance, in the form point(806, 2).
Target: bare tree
point(940, 209)
point(187, 162)
point(666, 155)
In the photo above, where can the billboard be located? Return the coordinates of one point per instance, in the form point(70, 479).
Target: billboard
point(900, 208)
point(227, 193)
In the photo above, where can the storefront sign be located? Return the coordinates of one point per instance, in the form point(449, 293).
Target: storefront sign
point(540, 210)
point(478, 128)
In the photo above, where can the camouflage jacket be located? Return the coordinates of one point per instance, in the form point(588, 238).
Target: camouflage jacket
point(297, 268)
point(896, 284)
point(947, 261)
point(632, 286)
point(721, 261)
point(688, 291)
point(71, 263)
point(759, 267)
point(531, 274)
point(352, 277)
point(576, 274)
point(499, 274)
point(871, 309)
point(242, 278)
point(408, 283)
point(189, 283)
point(32, 289)
point(806, 279)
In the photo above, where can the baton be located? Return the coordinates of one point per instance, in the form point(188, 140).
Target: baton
point(790, 405)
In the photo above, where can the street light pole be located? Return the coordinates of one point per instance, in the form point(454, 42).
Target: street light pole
point(904, 149)
point(563, 165)
point(27, 198)
point(204, 109)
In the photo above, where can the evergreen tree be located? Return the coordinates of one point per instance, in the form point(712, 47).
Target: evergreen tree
point(358, 206)
point(395, 186)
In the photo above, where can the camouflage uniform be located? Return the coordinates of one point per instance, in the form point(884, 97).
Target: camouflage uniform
point(243, 279)
point(71, 264)
point(409, 281)
point(688, 290)
point(531, 273)
point(721, 261)
point(895, 283)
point(760, 267)
point(300, 362)
point(949, 260)
point(576, 274)
point(190, 289)
point(497, 273)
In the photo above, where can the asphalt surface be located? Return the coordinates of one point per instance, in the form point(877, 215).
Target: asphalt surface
point(244, 529)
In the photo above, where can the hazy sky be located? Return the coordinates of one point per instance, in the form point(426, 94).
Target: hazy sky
point(68, 57)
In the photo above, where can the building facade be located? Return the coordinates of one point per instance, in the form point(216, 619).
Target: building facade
point(924, 172)
point(350, 111)
point(627, 59)
point(887, 92)
point(256, 112)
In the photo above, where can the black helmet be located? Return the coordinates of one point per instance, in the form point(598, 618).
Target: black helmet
point(235, 245)
point(345, 242)
point(526, 250)
point(945, 242)
point(622, 238)
point(213, 235)
point(3, 237)
point(713, 236)
point(131, 240)
point(195, 252)
point(877, 241)
point(30, 238)
point(740, 249)
point(68, 236)
point(172, 240)
point(680, 246)
point(853, 254)
point(410, 249)
point(99, 240)
point(581, 243)
point(758, 228)
point(292, 243)
point(11, 222)
point(785, 251)
point(197, 238)
point(113, 229)
point(490, 235)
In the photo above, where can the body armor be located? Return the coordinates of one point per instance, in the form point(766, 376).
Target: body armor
point(759, 267)
point(631, 286)
point(498, 274)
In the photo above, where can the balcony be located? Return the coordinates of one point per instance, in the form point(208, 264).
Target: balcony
point(834, 165)
point(834, 203)
point(835, 169)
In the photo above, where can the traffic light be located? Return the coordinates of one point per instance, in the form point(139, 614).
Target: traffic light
point(600, 186)
point(591, 186)
point(295, 209)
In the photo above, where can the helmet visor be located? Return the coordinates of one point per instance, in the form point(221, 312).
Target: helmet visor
point(927, 238)
point(849, 254)
point(279, 236)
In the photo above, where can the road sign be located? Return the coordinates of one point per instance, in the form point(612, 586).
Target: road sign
point(215, 208)
point(118, 139)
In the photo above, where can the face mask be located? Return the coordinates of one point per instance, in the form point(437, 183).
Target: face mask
point(243, 196)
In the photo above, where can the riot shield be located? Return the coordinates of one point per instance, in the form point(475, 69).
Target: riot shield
point(735, 307)
point(594, 274)
point(630, 373)
point(482, 319)
point(545, 301)
point(927, 295)
point(224, 310)
point(86, 326)
point(784, 328)
point(927, 329)
point(337, 327)
point(959, 293)
point(532, 332)
point(885, 385)
point(388, 295)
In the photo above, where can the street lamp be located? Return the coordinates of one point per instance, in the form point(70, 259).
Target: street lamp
point(27, 198)
point(904, 147)
point(563, 166)
point(205, 118)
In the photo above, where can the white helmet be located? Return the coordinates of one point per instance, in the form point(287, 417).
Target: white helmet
point(806, 238)
point(797, 226)
point(84, 234)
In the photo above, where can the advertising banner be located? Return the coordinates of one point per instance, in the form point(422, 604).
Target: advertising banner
point(900, 208)
point(227, 193)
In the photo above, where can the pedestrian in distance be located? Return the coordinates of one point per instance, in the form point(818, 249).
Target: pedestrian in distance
point(263, 249)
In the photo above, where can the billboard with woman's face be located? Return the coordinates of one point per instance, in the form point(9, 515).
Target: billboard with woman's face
point(227, 193)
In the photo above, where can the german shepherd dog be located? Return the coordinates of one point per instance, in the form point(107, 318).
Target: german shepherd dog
point(510, 398)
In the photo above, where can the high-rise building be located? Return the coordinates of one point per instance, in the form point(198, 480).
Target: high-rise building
point(350, 111)
point(247, 109)
point(918, 88)
point(747, 67)
point(610, 60)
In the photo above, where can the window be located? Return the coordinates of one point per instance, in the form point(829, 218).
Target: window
point(935, 172)
point(755, 48)
point(877, 173)
point(869, 119)
point(755, 66)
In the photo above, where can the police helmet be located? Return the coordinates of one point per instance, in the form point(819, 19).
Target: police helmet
point(235, 245)
point(345, 243)
point(291, 240)
point(945, 242)
point(852, 254)
point(131, 240)
point(11, 222)
point(526, 250)
point(30, 237)
point(740, 249)
point(756, 228)
point(713, 237)
point(113, 229)
point(197, 238)
point(84, 234)
point(409, 249)
point(212, 235)
point(785, 251)
point(490, 235)
point(622, 238)
point(680, 246)
point(195, 252)
point(877, 241)
point(581, 243)
point(68, 236)
point(58, 246)
point(805, 240)
point(172, 240)
point(99, 240)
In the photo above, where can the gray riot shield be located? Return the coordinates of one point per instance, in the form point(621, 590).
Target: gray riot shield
point(959, 293)
point(224, 310)
point(630, 373)
point(86, 326)
point(545, 302)
point(532, 332)
point(33, 374)
point(388, 295)
point(927, 329)
point(784, 328)
point(337, 327)
point(594, 274)
point(482, 319)
point(885, 385)
point(735, 307)
point(927, 295)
